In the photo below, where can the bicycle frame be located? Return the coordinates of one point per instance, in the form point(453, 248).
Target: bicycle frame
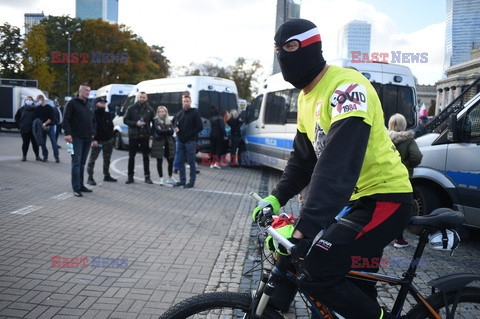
point(406, 282)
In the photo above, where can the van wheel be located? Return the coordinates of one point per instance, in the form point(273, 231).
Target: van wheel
point(425, 200)
point(117, 140)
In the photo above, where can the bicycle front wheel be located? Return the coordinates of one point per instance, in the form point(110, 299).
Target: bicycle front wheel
point(468, 306)
point(216, 305)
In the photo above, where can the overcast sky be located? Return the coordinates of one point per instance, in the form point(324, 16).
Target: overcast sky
point(220, 31)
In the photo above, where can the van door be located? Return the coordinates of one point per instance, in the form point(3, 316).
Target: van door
point(463, 165)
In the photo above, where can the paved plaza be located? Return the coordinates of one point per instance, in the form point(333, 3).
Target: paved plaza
point(131, 251)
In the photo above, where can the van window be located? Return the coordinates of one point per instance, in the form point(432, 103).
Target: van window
point(281, 107)
point(128, 102)
point(221, 100)
point(116, 100)
point(171, 100)
point(253, 111)
point(471, 130)
point(396, 99)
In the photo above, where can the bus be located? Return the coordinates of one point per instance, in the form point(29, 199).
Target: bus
point(271, 120)
point(205, 92)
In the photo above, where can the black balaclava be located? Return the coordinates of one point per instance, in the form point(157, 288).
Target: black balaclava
point(303, 65)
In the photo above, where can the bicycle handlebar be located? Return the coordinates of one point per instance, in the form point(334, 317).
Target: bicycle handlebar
point(273, 232)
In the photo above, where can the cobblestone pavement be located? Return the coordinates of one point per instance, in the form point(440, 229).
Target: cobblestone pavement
point(144, 247)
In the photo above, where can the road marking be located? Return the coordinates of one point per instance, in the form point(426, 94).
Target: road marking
point(26, 210)
point(217, 192)
point(62, 196)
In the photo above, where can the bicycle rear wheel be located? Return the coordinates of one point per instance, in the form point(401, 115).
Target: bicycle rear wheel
point(468, 306)
point(216, 305)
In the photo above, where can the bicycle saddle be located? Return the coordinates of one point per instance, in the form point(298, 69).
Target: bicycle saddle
point(440, 218)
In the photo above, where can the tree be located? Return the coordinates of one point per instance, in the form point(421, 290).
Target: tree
point(245, 76)
point(36, 63)
point(10, 52)
point(242, 73)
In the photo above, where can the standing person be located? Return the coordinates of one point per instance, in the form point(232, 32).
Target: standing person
point(339, 115)
point(59, 119)
point(46, 114)
point(188, 125)
point(102, 141)
point(410, 154)
point(139, 119)
point(163, 144)
point(217, 134)
point(24, 117)
point(226, 138)
point(234, 122)
point(79, 126)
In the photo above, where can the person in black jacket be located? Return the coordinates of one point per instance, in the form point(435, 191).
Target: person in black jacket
point(102, 141)
point(79, 126)
point(163, 144)
point(217, 137)
point(139, 119)
point(235, 124)
point(46, 114)
point(187, 126)
point(24, 118)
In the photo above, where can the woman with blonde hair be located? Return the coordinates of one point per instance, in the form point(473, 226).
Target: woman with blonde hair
point(409, 153)
point(163, 144)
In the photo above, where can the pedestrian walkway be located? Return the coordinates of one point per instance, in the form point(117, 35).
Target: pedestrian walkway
point(131, 251)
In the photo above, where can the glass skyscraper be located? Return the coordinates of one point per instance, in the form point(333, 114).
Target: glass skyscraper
point(32, 19)
point(354, 36)
point(462, 30)
point(97, 9)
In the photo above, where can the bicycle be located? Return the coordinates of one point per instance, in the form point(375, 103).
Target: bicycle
point(450, 297)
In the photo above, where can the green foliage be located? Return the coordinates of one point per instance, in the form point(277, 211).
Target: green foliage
point(242, 73)
point(37, 65)
point(10, 52)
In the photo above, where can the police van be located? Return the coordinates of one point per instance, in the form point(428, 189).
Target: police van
point(271, 120)
point(205, 92)
point(114, 94)
point(449, 174)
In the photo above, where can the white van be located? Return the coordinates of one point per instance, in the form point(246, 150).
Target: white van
point(449, 174)
point(12, 96)
point(205, 92)
point(115, 94)
point(271, 121)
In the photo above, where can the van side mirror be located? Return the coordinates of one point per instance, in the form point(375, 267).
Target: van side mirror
point(452, 135)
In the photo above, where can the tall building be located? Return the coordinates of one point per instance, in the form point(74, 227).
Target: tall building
point(32, 19)
point(354, 36)
point(462, 31)
point(106, 10)
point(286, 9)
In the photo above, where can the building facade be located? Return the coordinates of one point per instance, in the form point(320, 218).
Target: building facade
point(106, 10)
point(427, 94)
point(32, 19)
point(354, 36)
point(459, 77)
point(286, 9)
point(462, 31)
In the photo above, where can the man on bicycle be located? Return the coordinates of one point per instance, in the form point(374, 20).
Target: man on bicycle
point(343, 153)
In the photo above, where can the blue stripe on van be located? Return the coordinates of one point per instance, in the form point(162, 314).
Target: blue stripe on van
point(465, 179)
point(275, 142)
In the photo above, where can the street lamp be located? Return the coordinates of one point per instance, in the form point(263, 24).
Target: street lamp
point(68, 31)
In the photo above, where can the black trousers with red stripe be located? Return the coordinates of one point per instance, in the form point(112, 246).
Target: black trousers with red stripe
point(356, 243)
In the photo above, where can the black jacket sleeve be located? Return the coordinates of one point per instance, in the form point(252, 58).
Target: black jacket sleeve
point(298, 171)
point(335, 175)
point(128, 118)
